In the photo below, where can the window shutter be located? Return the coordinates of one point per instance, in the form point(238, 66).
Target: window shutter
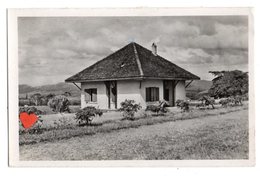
point(87, 95)
point(152, 94)
point(148, 94)
point(156, 94)
point(94, 95)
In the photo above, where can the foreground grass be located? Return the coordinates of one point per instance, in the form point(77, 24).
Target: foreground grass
point(212, 137)
point(69, 131)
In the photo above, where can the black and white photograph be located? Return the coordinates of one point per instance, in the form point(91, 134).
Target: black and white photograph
point(134, 86)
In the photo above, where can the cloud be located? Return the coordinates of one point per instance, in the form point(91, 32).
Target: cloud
point(55, 48)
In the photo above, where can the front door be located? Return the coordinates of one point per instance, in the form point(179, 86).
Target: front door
point(113, 94)
point(168, 91)
point(111, 87)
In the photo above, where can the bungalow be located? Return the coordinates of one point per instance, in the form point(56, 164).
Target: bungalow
point(133, 72)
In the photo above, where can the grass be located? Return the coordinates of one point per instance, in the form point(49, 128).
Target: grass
point(213, 136)
point(71, 130)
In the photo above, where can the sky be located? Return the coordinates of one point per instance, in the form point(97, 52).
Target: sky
point(52, 49)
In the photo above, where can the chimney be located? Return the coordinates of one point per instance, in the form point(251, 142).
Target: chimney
point(154, 49)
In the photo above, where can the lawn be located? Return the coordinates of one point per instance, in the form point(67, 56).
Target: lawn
point(217, 134)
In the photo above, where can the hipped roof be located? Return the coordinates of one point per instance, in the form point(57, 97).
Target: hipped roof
point(132, 62)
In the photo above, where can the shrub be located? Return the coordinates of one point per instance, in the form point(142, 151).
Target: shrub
point(232, 101)
point(85, 116)
point(59, 103)
point(158, 108)
point(37, 127)
point(206, 101)
point(129, 108)
point(153, 108)
point(238, 100)
point(224, 102)
point(183, 104)
point(30, 110)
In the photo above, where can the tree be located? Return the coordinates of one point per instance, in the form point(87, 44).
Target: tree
point(59, 103)
point(229, 83)
point(36, 99)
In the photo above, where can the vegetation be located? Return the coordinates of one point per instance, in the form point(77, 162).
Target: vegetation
point(30, 110)
point(72, 130)
point(62, 123)
point(231, 101)
point(86, 115)
point(183, 104)
point(129, 108)
point(37, 99)
point(207, 101)
point(158, 108)
point(37, 127)
point(229, 83)
point(59, 104)
point(208, 135)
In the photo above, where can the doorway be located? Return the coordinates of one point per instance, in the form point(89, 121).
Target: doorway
point(168, 91)
point(111, 89)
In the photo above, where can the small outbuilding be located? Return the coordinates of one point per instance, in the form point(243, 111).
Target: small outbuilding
point(133, 72)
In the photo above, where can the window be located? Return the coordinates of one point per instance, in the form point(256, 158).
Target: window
point(152, 94)
point(91, 95)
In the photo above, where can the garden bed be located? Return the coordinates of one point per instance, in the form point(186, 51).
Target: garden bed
point(69, 130)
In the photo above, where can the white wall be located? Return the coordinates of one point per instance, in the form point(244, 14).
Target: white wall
point(128, 89)
point(131, 90)
point(180, 93)
point(151, 83)
point(102, 99)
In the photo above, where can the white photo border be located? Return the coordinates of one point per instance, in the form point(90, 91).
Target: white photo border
point(13, 108)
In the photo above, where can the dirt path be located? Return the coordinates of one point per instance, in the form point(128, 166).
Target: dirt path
point(215, 137)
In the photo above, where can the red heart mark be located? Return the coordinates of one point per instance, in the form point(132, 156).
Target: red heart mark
point(28, 120)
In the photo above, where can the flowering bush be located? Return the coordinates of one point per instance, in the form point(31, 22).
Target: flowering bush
point(129, 108)
point(85, 116)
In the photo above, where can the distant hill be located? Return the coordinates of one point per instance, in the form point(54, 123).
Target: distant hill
point(23, 88)
point(200, 85)
point(59, 88)
point(196, 87)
